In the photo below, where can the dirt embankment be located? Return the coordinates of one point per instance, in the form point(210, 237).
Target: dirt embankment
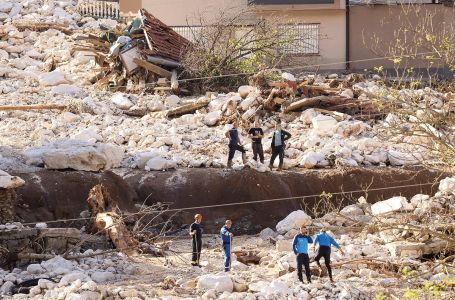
point(51, 195)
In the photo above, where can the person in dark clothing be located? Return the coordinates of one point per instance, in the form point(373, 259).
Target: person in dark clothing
point(325, 242)
point(196, 233)
point(234, 144)
point(226, 237)
point(278, 144)
point(256, 133)
point(300, 248)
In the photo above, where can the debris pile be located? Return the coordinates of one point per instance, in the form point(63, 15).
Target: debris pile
point(391, 247)
point(146, 52)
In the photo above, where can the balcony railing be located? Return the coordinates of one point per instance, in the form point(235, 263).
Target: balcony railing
point(289, 2)
point(99, 9)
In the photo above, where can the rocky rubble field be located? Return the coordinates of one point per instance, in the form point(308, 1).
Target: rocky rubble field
point(394, 248)
point(129, 130)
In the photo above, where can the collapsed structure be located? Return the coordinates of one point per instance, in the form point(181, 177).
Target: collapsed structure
point(52, 116)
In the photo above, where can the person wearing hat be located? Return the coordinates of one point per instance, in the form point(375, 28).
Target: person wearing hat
point(196, 233)
point(226, 237)
point(325, 242)
point(300, 248)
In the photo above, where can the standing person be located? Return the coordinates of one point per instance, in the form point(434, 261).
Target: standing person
point(196, 233)
point(325, 242)
point(256, 134)
point(234, 144)
point(300, 247)
point(226, 237)
point(279, 137)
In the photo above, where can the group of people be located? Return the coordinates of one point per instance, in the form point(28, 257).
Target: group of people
point(226, 239)
point(256, 134)
point(300, 246)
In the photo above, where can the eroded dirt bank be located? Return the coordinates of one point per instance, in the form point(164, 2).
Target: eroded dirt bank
point(49, 195)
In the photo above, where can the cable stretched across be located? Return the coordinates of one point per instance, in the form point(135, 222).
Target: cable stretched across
point(244, 203)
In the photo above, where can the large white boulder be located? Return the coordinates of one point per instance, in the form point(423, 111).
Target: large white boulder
point(397, 158)
point(72, 277)
point(284, 245)
point(219, 283)
point(53, 78)
point(352, 210)
point(308, 115)
point(267, 233)
point(324, 125)
point(159, 163)
point(141, 159)
point(10, 182)
point(212, 118)
point(447, 185)
point(67, 89)
point(245, 90)
point(172, 101)
point(35, 269)
point(311, 159)
point(5, 6)
point(77, 155)
point(101, 277)
point(350, 128)
point(393, 204)
point(122, 101)
point(293, 221)
point(405, 249)
point(57, 262)
point(245, 105)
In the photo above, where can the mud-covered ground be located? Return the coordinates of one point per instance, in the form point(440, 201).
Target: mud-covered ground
point(50, 195)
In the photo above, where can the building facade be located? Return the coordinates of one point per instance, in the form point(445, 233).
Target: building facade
point(320, 23)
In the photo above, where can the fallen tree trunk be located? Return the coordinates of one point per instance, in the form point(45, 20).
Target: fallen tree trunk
point(42, 26)
point(33, 107)
point(108, 219)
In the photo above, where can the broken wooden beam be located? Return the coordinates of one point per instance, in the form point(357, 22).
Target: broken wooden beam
point(33, 107)
point(305, 103)
point(152, 68)
point(187, 108)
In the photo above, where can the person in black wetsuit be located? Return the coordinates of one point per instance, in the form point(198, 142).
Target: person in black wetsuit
point(256, 133)
point(234, 144)
point(196, 233)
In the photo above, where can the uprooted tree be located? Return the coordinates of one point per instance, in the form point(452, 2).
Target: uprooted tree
point(235, 42)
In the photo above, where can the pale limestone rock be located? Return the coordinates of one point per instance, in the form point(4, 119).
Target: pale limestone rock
point(219, 283)
point(10, 182)
point(293, 221)
point(53, 78)
point(393, 204)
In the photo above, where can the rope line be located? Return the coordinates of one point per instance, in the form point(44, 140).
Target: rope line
point(241, 203)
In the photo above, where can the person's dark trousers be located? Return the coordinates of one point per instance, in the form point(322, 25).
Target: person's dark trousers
point(324, 251)
point(232, 149)
point(277, 151)
point(303, 259)
point(197, 247)
point(257, 150)
point(227, 256)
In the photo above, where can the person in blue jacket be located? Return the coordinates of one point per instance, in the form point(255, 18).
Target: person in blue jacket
point(300, 248)
point(226, 237)
point(325, 242)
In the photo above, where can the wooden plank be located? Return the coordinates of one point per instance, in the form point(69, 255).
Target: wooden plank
point(305, 103)
point(153, 68)
point(32, 107)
